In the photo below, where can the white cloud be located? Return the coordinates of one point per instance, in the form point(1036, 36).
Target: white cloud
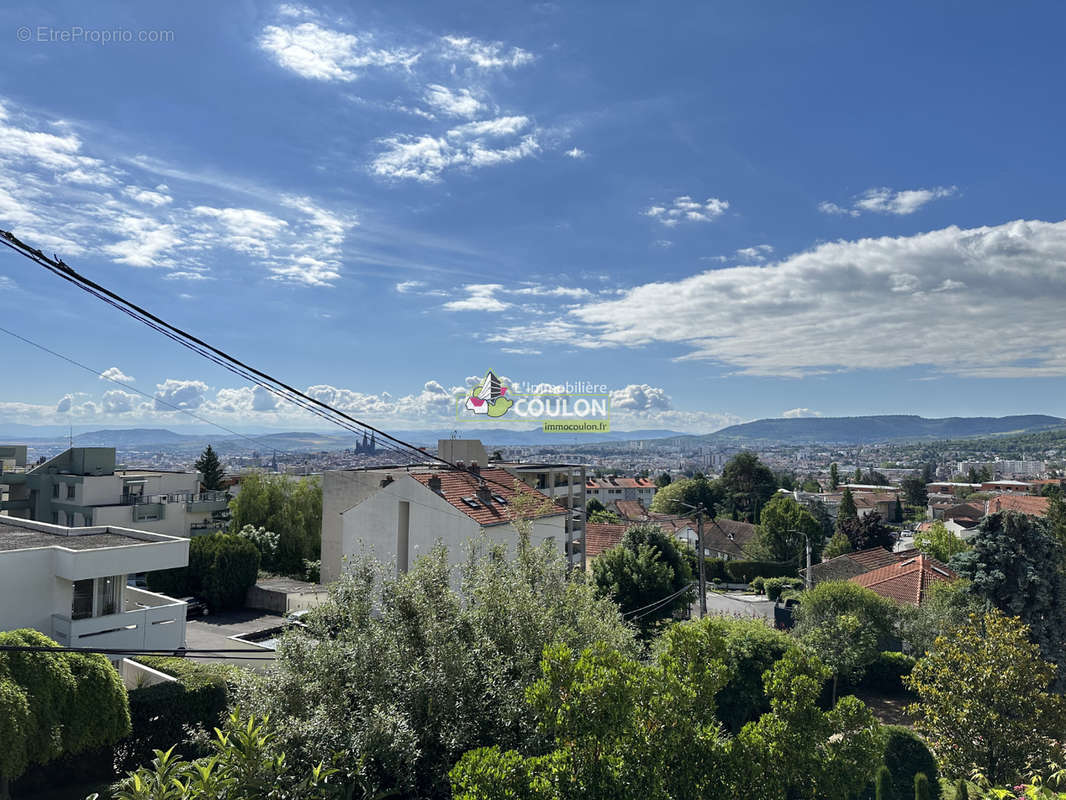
point(115, 374)
point(319, 53)
point(148, 197)
point(554, 291)
point(882, 200)
point(179, 393)
point(800, 413)
point(64, 404)
point(118, 402)
point(685, 209)
point(576, 152)
point(485, 55)
point(460, 103)
point(471, 145)
point(405, 287)
point(480, 297)
point(147, 241)
point(757, 253)
point(886, 302)
point(640, 397)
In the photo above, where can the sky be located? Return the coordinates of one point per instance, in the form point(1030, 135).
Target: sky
point(721, 211)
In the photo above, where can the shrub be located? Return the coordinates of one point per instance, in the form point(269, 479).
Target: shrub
point(160, 714)
point(906, 756)
point(887, 671)
point(746, 571)
point(714, 569)
point(222, 567)
point(758, 584)
point(775, 586)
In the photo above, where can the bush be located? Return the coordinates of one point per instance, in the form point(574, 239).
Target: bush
point(906, 756)
point(775, 586)
point(161, 713)
point(714, 569)
point(758, 584)
point(746, 571)
point(222, 567)
point(885, 674)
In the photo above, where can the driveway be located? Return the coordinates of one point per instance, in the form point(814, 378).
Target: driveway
point(736, 604)
point(213, 632)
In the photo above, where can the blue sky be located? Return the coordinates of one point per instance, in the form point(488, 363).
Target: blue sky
point(721, 211)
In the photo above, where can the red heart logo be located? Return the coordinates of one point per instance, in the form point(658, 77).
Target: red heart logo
point(477, 401)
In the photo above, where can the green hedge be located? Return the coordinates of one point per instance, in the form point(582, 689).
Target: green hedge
point(714, 569)
point(222, 567)
point(746, 571)
point(758, 584)
point(886, 673)
point(160, 713)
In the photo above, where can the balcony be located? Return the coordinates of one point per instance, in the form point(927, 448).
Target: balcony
point(150, 621)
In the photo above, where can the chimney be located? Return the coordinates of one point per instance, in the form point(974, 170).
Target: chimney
point(475, 467)
point(386, 481)
point(434, 483)
point(484, 494)
point(461, 464)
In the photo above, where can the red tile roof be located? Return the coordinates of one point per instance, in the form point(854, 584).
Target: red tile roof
point(845, 566)
point(601, 536)
point(906, 581)
point(632, 510)
point(871, 499)
point(457, 485)
point(619, 483)
point(1033, 506)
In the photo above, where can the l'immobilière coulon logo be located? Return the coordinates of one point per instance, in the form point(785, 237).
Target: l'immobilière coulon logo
point(579, 407)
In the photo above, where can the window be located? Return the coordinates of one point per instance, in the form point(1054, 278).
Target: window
point(108, 594)
point(55, 517)
point(70, 491)
point(82, 606)
point(55, 490)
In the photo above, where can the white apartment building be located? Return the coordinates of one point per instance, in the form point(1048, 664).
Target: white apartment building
point(70, 584)
point(612, 489)
point(83, 486)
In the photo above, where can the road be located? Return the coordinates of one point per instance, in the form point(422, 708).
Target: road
point(736, 603)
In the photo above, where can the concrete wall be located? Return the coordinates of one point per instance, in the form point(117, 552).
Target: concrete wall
point(283, 602)
point(30, 592)
point(340, 491)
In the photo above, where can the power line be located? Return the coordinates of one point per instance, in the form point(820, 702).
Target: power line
point(269, 383)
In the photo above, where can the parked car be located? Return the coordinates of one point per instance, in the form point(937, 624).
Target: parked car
point(196, 607)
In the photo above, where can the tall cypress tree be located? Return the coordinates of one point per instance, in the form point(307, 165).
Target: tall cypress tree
point(210, 468)
point(847, 509)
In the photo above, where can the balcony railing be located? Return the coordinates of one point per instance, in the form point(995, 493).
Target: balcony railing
point(150, 622)
point(174, 497)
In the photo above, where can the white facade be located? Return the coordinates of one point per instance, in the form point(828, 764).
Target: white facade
point(70, 584)
point(397, 518)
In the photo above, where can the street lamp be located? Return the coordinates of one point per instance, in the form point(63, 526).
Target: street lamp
point(699, 509)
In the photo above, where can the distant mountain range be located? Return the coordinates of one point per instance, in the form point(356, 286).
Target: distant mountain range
point(880, 428)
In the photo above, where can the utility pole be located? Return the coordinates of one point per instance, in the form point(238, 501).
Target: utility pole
point(807, 574)
point(699, 561)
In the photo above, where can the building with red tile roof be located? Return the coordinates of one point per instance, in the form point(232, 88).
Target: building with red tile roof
point(611, 489)
point(632, 510)
point(600, 537)
point(906, 581)
point(1025, 504)
point(848, 565)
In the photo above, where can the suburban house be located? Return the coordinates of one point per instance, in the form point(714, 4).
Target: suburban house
point(632, 510)
point(906, 581)
point(70, 584)
point(1007, 487)
point(848, 565)
point(883, 503)
point(399, 514)
point(601, 536)
point(83, 486)
point(952, 488)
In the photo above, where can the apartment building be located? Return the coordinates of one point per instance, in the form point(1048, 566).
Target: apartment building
point(70, 584)
point(83, 486)
point(611, 489)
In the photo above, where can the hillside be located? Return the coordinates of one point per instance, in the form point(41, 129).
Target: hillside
point(880, 428)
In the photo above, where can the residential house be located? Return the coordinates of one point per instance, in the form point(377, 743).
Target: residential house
point(846, 566)
point(881, 502)
point(399, 514)
point(953, 488)
point(1026, 504)
point(632, 510)
point(1007, 487)
point(906, 581)
point(611, 489)
point(83, 486)
point(70, 584)
point(600, 537)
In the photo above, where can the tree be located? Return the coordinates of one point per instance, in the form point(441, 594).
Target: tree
point(898, 511)
point(938, 542)
point(845, 625)
point(810, 485)
point(645, 568)
point(663, 480)
point(837, 546)
point(605, 517)
point(210, 469)
point(677, 497)
point(914, 490)
point(858, 475)
point(928, 473)
point(746, 485)
point(947, 605)
point(846, 510)
point(1017, 565)
point(784, 528)
point(401, 675)
point(615, 727)
point(244, 762)
point(1056, 518)
point(292, 508)
point(867, 532)
point(834, 476)
point(53, 704)
point(906, 756)
point(593, 505)
point(983, 700)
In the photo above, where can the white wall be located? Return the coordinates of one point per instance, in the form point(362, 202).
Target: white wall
point(30, 592)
